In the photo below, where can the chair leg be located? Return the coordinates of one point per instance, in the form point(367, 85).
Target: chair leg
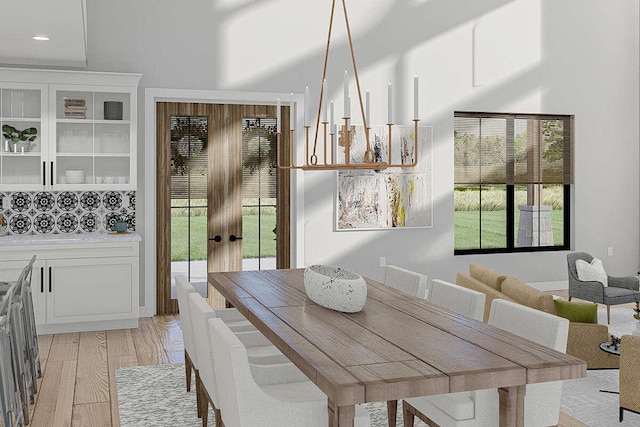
point(218, 415)
point(199, 400)
point(407, 415)
point(392, 412)
point(569, 298)
point(608, 315)
point(204, 410)
point(187, 369)
point(621, 413)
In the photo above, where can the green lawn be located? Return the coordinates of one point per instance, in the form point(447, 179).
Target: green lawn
point(179, 243)
point(493, 228)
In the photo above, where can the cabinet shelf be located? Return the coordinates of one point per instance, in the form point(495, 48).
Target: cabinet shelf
point(20, 119)
point(93, 155)
point(12, 154)
point(95, 121)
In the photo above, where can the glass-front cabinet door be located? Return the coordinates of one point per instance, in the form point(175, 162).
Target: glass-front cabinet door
point(92, 138)
point(24, 140)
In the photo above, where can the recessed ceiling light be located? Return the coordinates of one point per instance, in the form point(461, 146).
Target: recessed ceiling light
point(40, 38)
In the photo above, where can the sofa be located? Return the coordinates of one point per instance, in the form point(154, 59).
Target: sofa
point(584, 338)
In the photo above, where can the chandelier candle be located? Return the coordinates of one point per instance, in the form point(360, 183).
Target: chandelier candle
point(415, 98)
point(306, 107)
point(347, 99)
point(364, 157)
point(292, 114)
point(390, 106)
point(367, 108)
point(278, 118)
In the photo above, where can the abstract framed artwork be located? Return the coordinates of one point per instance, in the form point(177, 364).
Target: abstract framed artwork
point(394, 198)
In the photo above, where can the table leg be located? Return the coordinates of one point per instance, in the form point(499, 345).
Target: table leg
point(341, 416)
point(512, 406)
point(392, 411)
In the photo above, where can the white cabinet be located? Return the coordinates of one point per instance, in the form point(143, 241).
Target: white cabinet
point(101, 149)
point(79, 286)
point(90, 289)
point(86, 126)
point(22, 163)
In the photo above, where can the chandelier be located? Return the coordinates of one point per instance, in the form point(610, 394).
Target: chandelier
point(330, 133)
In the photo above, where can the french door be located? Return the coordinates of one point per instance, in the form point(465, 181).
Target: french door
point(222, 205)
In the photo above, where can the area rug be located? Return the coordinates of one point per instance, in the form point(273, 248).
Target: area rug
point(622, 320)
point(155, 396)
point(583, 400)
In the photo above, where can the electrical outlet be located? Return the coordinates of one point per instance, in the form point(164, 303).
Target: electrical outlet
point(383, 261)
point(610, 251)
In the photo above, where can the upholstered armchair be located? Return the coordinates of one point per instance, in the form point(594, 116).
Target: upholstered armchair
point(629, 374)
point(620, 290)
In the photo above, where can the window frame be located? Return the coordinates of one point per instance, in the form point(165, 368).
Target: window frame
point(510, 226)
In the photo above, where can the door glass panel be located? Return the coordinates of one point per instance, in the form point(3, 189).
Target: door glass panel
point(259, 192)
point(189, 200)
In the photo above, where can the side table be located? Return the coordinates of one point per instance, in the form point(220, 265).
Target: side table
point(611, 347)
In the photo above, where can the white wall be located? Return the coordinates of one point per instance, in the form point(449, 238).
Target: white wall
point(572, 57)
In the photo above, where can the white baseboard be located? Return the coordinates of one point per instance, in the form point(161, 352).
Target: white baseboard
point(560, 285)
point(104, 325)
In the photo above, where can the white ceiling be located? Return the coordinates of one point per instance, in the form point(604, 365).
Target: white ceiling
point(64, 21)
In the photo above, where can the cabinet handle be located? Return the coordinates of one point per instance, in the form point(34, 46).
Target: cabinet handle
point(44, 175)
point(41, 280)
point(49, 279)
point(51, 177)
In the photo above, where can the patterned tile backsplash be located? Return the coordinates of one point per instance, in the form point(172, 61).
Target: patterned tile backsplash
point(56, 212)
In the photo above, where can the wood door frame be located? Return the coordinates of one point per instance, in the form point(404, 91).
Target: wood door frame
point(146, 218)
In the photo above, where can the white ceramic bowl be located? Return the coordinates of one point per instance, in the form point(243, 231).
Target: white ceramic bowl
point(335, 288)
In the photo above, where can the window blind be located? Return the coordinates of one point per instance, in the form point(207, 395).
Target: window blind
point(512, 149)
point(259, 168)
point(189, 157)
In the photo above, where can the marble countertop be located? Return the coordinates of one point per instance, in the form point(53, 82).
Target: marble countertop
point(46, 239)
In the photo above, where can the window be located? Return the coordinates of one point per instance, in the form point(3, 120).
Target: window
point(512, 182)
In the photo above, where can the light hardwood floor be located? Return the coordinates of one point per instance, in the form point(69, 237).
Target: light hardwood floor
point(78, 385)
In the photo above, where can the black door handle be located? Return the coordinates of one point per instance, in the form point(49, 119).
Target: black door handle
point(50, 279)
point(41, 280)
point(44, 173)
point(233, 238)
point(216, 239)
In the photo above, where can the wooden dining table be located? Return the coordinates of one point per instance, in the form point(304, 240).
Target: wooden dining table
point(398, 346)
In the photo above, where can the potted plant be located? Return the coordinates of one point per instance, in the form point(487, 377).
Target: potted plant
point(120, 225)
point(21, 139)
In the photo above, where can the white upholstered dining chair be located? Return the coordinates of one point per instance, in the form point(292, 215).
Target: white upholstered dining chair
point(260, 351)
point(183, 290)
point(248, 397)
point(480, 408)
point(458, 299)
point(405, 280)
point(415, 284)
